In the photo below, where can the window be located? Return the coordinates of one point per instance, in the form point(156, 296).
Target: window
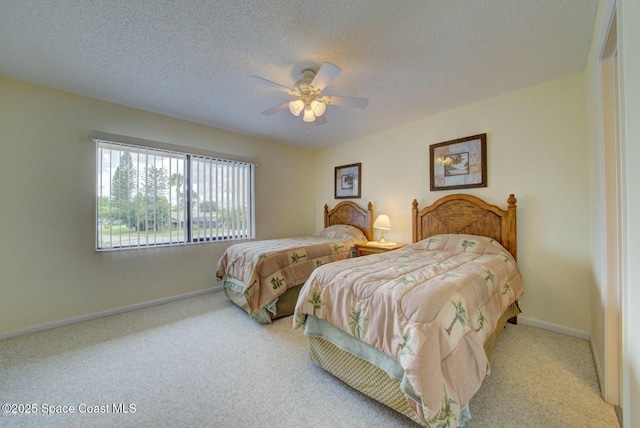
point(158, 196)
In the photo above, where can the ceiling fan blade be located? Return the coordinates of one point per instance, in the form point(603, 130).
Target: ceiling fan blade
point(260, 80)
point(324, 76)
point(276, 109)
point(320, 120)
point(345, 101)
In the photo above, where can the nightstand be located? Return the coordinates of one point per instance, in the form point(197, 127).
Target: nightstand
point(372, 247)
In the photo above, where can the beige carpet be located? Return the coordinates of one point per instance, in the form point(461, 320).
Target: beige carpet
point(202, 362)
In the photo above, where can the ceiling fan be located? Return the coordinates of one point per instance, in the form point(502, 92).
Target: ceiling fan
point(308, 92)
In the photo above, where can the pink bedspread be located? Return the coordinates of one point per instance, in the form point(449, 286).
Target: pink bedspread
point(263, 270)
point(430, 306)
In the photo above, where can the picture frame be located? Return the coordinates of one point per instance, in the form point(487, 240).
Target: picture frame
point(348, 181)
point(459, 164)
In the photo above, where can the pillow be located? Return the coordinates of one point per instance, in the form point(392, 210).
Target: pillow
point(342, 231)
point(461, 243)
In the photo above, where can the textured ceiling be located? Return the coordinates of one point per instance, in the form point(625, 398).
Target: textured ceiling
point(190, 58)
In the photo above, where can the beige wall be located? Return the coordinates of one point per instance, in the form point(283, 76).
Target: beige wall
point(49, 270)
point(536, 149)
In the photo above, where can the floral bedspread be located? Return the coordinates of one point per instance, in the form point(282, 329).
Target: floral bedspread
point(430, 306)
point(263, 270)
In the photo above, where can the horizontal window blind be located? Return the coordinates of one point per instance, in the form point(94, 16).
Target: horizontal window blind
point(150, 197)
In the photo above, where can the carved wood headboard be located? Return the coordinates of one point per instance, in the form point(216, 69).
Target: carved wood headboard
point(461, 213)
point(348, 212)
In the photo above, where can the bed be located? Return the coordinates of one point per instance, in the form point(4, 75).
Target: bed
point(414, 328)
point(264, 277)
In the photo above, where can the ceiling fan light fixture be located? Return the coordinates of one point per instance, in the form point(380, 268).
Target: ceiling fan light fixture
point(296, 107)
point(308, 94)
point(308, 114)
point(318, 107)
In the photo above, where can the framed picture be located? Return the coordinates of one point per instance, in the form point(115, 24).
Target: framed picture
point(459, 164)
point(348, 181)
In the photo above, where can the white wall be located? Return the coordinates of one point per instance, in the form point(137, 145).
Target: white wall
point(536, 149)
point(628, 14)
point(603, 167)
point(629, 46)
point(49, 270)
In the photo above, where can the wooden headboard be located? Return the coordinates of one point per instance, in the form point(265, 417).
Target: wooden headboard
point(467, 214)
point(348, 212)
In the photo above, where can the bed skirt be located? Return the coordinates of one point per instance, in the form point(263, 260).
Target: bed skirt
point(283, 306)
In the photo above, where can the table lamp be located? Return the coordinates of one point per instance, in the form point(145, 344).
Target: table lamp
point(383, 223)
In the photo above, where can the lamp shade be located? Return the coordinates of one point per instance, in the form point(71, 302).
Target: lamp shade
point(382, 222)
point(296, 107)
point(308, 114)
point(318, 107)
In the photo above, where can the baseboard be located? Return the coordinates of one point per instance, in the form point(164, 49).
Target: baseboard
point(619, 414)
point(555, 328)
point(596, 363)
point(116, 311)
